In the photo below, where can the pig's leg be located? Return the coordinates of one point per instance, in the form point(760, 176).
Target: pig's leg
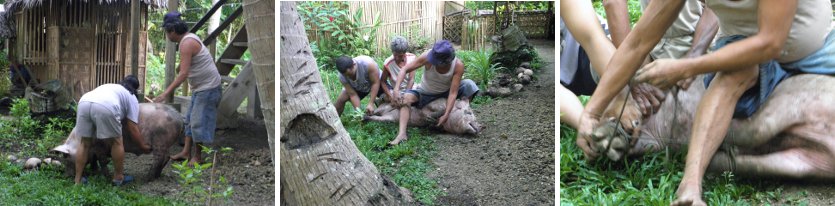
point(159, 163)
point(794, 163)
point(777, 115)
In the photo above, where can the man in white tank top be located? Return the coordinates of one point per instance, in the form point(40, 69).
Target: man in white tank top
point(442, 79)
point(754, 52)
point(393, 65)
point(196, 64)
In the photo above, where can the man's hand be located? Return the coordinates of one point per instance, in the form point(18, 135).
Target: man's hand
point(146, 148)
point(442, 120)
point(684, 84)
point(369, 108)
point(662, 73)
point(584, 135)
point(648, 98)
point(162, 98)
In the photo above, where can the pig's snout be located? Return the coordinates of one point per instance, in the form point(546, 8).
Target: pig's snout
point(475, 128)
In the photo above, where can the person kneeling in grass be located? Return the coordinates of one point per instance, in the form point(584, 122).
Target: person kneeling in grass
point(360, 77)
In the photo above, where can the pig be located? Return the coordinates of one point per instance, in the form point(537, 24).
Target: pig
point(461, 119)
point(160, 124)
point(790, 136)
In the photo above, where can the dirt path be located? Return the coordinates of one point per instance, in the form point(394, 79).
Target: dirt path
point(512, 161)
point(248, 168)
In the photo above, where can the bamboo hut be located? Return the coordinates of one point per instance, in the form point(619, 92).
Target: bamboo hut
point(82, 43)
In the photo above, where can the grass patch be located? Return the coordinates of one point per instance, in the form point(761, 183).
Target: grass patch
point(651, 180)
point(406, 163)
point(48, 186)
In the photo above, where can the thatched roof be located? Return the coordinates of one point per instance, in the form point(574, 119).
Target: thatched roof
point(7, 21)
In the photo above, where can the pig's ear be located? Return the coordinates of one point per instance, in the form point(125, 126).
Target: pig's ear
point(62, 149)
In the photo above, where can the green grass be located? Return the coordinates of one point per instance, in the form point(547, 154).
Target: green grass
point(652, 180)
point(48, 186)
point(406, 163)
point(25, 136)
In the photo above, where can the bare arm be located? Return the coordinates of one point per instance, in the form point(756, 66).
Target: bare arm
point(775, 22)
point(188, 48)
point(705, 31)
point(409, 68)
point(411, 80)
point(453, 90)
point(136, 136)
point(385, 77)
point(617, 15)
point(373, 76)
point(630, 55)
point(580, 19)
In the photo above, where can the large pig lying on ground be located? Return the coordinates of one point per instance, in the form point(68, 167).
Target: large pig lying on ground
point(791, 136)
point(161, 125)
point(461, 119)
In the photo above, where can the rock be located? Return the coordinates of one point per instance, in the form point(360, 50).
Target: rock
point(525, 79)
point(527, 65)
point(11, 158)
point(56, 163)
point(528, 72)
point(519, 70)
point(520, 75)
point(257, 163)
point(498, 91)
point(47, 161)
point(502, 79)
point(517, 87)
point(32, 163)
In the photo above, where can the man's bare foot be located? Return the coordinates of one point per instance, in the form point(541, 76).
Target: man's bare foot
point(398, 139)
point(180, 156)
point(688, 195)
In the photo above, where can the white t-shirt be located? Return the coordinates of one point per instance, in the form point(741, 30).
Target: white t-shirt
point(116, 98)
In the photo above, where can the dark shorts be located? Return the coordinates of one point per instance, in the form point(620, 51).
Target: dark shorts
point(583, 82)
point(772, 72)
point(467, 89)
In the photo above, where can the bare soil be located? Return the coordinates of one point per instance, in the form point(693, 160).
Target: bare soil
point(512, 161)
point(248, 168)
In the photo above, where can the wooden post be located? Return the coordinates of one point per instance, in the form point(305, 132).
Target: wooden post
point(134, 42)
point(170, 54)
point(213, 24)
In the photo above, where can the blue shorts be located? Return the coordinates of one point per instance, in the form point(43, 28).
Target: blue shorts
point(467, 89)
point(201, 119)
point(772, 72)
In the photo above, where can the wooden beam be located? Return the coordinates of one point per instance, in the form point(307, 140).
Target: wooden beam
point(134, 41)
point(170, 54)
point(213, 36)
point(233, 96)
point(205, 18)
point(232, 52)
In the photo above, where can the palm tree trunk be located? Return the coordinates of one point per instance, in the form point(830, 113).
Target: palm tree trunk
point(320, 165)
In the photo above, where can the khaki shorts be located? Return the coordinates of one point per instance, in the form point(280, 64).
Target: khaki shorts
point(95, 120)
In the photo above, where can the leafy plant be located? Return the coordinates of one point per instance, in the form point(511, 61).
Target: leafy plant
point(23, 124)
point(339, 33)
point(478, 66)
point(192, 181)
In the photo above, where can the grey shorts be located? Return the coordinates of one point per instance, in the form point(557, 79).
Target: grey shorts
point(95, 120)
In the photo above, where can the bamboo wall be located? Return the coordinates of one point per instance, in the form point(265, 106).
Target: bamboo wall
point(473, 32)
point(87, 43)
point(398, 17)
